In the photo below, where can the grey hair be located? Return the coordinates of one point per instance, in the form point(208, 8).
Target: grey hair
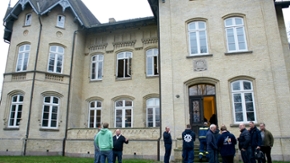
point(212, 126)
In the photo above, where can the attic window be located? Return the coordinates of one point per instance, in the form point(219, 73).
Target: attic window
point(28, 18)
point(60, 21)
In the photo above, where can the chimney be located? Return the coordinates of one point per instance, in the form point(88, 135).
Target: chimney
point(112, 20)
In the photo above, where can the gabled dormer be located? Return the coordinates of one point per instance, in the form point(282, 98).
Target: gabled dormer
point(82, 14)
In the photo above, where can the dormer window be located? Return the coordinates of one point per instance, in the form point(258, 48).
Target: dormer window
point(60, 21)
point(28, 18)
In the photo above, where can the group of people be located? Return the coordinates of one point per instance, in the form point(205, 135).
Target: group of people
point(107, 146)
point(214, 142)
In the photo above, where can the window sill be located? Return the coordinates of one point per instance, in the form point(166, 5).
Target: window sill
point(150, 77)
point(246, 124)
point(60, 27)
point(99, 80)
point(10, 128)
point(121, 79)
point(49, 129)
point(199, 55)
point(26, 25)
point(239, 52)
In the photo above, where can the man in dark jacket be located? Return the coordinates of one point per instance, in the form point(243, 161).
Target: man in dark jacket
point(118, 140)
point(188, 137)
point(267, 142)
point(226, 143)
point(202, 141)
point(167, 144)
point(212, 144)
point(256, 141)
point(245, 143)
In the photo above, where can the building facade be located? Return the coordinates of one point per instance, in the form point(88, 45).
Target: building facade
point(223, 62)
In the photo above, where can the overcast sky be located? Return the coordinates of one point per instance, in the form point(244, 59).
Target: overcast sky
point(103, 10)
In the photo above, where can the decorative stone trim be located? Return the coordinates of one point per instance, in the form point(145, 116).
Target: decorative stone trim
point(124, 44)
point(198, 56)
point(98, 47)
point(53, 77)
point(17, 77)
point(153, 40)
point(200, 65)
point(141, 48)
point(241, 52)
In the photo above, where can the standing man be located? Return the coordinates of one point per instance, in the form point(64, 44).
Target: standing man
point(118, 141)
point(97, 150)
point(167, 144)
point(244, 143)
point(267, 142)
point(188, 137)
point(104, 141)
point(226, 143)
point(256, 141)
point(212, 144)
point(202, 141)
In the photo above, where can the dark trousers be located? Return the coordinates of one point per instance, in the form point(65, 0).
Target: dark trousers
point(267, 151)
point(167, 152)
point(187, 155)
point(246, 155)
point(213, 158)
point(202, 148)
point(117, 154)
point(228, 159)
point(253, 159)
point(97, 155)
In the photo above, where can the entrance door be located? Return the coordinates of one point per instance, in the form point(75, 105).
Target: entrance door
point(202, 105)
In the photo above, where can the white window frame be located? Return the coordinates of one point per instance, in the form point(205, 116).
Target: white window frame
point(150, 55)
point(197, 32)
point(125, 56)
point(16, 103)
point(234, 27)
point(51, 105)
point(99, 58)
point(95, 109)
point(60, 21)
point(153, 107)
point(242, 93)
point(23, 55)
point(56, 54)
point(28, 19)
point(123, 108)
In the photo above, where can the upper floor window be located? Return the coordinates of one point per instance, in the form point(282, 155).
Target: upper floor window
point(243, 101)
point(153, 112)
point(95, 110)
point(235, 33)
point(152, 62)
point(55, 62)
point(123, 113)
point(50, 112)
point(22, 60)
point(28, 19)
point(60, 21)
point(97, 67)
point(197, 38)
point(15, 111)
point(124, 63)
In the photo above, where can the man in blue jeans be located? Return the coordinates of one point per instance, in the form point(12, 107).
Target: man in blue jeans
point(188, 137)
point(104, 141)
point(118, 140)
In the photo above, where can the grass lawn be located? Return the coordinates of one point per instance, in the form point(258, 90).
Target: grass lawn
point(58, 159)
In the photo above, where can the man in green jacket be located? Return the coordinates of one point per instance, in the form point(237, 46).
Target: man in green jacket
point(104, 140)
point(267, 142)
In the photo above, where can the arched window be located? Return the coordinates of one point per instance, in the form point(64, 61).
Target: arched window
point(153, 112)
point(152, 62)
point(123, 113)
point(15, 111)
point(235, 33)
point(201, 89)
point(197, 38)
point(243, 101)
point(56, 55)
point(124, 63)
point(23, 56)
point(50, 112)
point(95, 110)
point(97, 67)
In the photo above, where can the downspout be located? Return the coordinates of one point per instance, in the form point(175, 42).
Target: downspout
point(33, 84)
point(69, 91)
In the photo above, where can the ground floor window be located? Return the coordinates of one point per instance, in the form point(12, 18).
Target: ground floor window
point(153, 112)
point(15, 111)
point(95, 114)
point(50, 112)
point(123, 113)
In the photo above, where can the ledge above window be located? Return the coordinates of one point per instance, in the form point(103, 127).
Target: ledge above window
point(49, 129)
point(238, 52)
point(199, 55)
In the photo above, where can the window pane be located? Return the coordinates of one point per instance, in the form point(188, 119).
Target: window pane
point(128, 103)
point(128, 118)
point(53, 48)
point(19, 108)
point(210, 90)
point(46, 109)
point(92, 105)
point(247, 86)
point(237, 98)
point(231, 39)
point(193, 90)
point(203, 43)
point(239, 21)
point(149, 65)
point(45, 123)
point(236, 86)
point(191, 26)
point(249, 106)
point(53, 123)
point(238, 107)
point(54, 116)
point(239, 117)
point(250, 116)
point(59, 63)
point(241, 38)
point(47, 99)
point(55, 100)
point(54, 109)
point(99, 104)
point(51, 62)
point(150, 124)
point(193, 43)
point(248, 97)
point(228, 22)
point(201, 25)
point(119, 103)
point(60, 50)
point(45, 115)
point(100, 70)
